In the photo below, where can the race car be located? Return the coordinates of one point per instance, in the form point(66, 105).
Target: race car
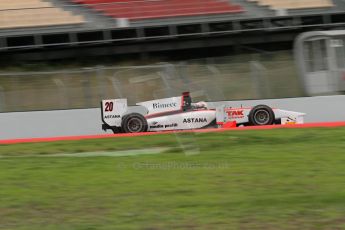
point(179, 113)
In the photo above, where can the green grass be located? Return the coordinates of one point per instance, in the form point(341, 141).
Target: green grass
point(274, 179)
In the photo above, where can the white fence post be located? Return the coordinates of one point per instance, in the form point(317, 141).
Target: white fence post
point(260, 82)
point(62, 92)
point(2, 99)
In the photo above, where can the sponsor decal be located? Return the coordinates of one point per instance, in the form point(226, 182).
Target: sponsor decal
point(235, 114)
point(155, 125)
point(291, 121)
point(112, 116)
point(170, 125)
point(164, 106)
point(194, 120)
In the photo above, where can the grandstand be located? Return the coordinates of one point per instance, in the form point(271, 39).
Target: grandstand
point(60, 29)
point(294, 4)
point(34, 13)
point(139, 10)
point(96, 25)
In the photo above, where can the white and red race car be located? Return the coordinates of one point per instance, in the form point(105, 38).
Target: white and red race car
point(179, 113)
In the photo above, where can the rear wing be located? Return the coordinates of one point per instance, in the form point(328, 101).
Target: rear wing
point(112, 112)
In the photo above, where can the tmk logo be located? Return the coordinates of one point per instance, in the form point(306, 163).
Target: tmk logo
point(235, 114)
point(194, 120)
point(163, 106)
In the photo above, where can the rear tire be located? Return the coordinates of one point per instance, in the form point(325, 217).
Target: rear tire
point(134, 123)
point(261, 115)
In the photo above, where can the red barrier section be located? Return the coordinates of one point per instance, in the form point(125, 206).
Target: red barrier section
point(73, 138)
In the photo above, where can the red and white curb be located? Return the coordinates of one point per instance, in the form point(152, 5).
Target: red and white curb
point(103, 136)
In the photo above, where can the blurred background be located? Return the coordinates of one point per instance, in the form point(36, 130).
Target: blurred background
point(70, 54)
point(64, 54)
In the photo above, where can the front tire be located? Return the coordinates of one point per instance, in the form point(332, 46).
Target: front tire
point(134, 123)
point(261, 115)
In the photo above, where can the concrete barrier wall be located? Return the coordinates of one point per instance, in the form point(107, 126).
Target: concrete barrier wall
point(88, 121)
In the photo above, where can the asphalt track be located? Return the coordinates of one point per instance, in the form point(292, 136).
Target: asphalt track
point(85, 137)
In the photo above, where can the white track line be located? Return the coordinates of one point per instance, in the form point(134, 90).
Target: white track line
point(122, 153)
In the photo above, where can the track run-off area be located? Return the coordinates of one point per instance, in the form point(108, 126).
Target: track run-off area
point(268, 177)
point(85, 137)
